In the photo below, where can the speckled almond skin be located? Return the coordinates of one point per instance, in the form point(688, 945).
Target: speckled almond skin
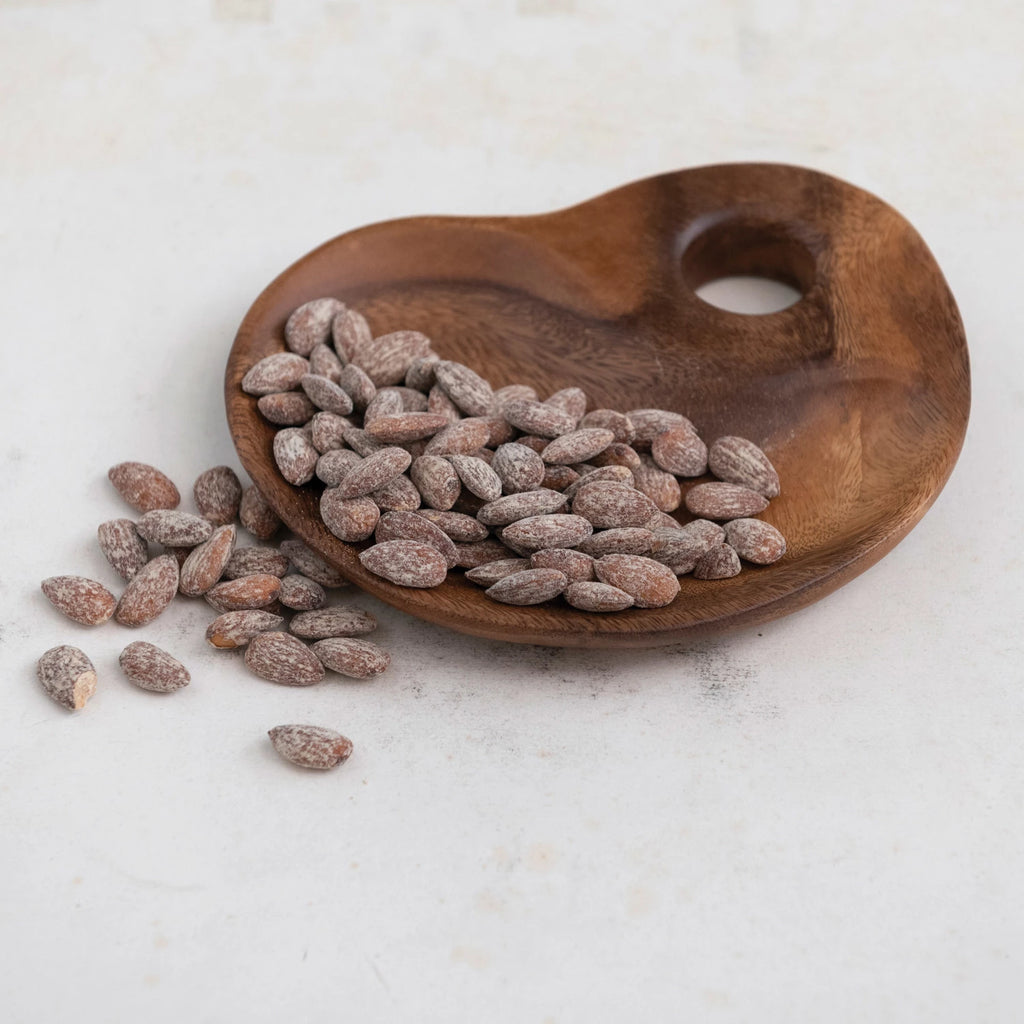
point(217, 493)
point(511, 393)
point(301, 594)
point(349, 519)
point(357, 659)
point(255, 591)
point(490, 572)
point(648, 423)
point(248, 560)
point(387, 358)
point(719, 563)
point(617, 422)
point(681, 549)
point(374, 472)
point(174, 528)
point(649, 583)
point(477, 477)
point(149, 593)
point(327, 431)
point(661, 487)
point(295, 455)
point(436, 480)
point(613, 506)
point(357, 385)
point(310, 324)
point(338, 620)
point(597, 597)
point(206, 564)
point(324, 362)
point(286, 408)
point(462, 528)
point(420, 375)
point(256, 515)
point(407, 563)
point(386, 402)
point(755, 541)
point(311, 746)
point(409, 526)
point(537, 418)
point(465, 387)
point(143, 486)
point(349, 329)
point(481, 552)
point(281, 371)
point(547, 531)
point(439, 402)
point(326, 394)
point(577, 446)
point(236, 629)
point(283, 658)
point(680, 451)
point(570, 400)
point(459, 438)
point(617, 454)
point(578, 566)
point(739, 461)
point(67, 676)
point(717, 500)
point(632, 540)
point(531, 586)
point(310, 564)
point(603, 474)
point(511, 507)
point(406, 426)
point(122, 547)
point(518, 466)
point(83, 600)
point(398, 495)
point(152, 668)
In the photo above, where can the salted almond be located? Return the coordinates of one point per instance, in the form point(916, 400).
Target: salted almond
point(349, 519)
point(248, 560)
point(326, 394)
point(409, 526)
point(578, 566)
point(376, 470)
point(755, 541)
point(490, 572)
point(217, 493)
point(144, 487)
point(462, 528)
point(357, 659)
point(283, 658)
point(122, 547)
point(309, 563)
point(531, 586)
point(81, 599)
point(630, 540)
point(387, 358)
point(311, 746)
point(520, 505)
point(609, 505)
point(67, 675)
point(174, 528)
point(465, 387)
point(538, 418)
point(739, 461)
point(618, 423)
point(206, 564)
point(570, 400)
point(407, 563)
point(354, 381)
point(286, 408)
point(236, 629)
point(301, 594)
point(649, 583)
point(310, 324)
point(717, 500)
point(152, 668)
point(256, 591)
point(477, 477)
point(661, 487)
point(349, 330)
point(546, 531)
point(680, 451)
point(719, 563)
point(597, 597)
point(397, 495)
point(280, 371)
point(149, 593)
point(577, 446)
point(256, 515)
point(295, 455)
point(338, 620)
point(436, 480)
point(518, 467)
point(481, 552)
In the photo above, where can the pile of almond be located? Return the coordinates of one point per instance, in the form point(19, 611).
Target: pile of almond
point(534, 499)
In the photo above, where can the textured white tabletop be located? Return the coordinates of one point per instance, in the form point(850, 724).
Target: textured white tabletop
point(817, 819)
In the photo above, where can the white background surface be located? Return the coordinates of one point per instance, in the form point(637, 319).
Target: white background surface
point(817, 819)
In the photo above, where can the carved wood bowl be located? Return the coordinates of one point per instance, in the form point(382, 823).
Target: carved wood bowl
point(859, 392)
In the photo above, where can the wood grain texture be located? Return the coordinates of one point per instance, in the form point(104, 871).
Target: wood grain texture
point(859, 392)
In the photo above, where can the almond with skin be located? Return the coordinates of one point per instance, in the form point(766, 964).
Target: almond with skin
point(386, 402)
point(481, 552)
point(680, 451)
point(349, 330)
point(174, 528)
point(324, 362)
point(152, 668)
point(354, 381)
point(520, 505)
point(649, 583)
point(648, 423)
point(597, 597)
point(249, 560)
point(466, 388)
point(80, 599)
point(349, 519)
point(406, 426)
point(462, 528)
point(518, 467)
point(460, 438)
point(490, 572)
point(537, 418)
point(236, 629)
point(409, 526)
point(755, 541)
point(339, 620)
point(374, 472)
point(718, 563)
point(310, 324)
point(407, 563)
point(218, 493)
point(301, 594)
point(286, 408)
point(332, 467)
point(122, 547)
point(739, 461)
point(577, 446)
point(256, 515)
point(398, 495)
point(311, 746)
point(387, 358)
point(630, 540)
point(295, 455)
point(357, 659)
point(326, 394)
point(283, 658)
point(420, 375)
point(531, 586)
point(570, 400)
point(309, 563)
point(547, 531)
point(206, 564)
point(436, 480)
point(613, 506)
point(149, 593)
point(618, 423)
point(281, 371)
point(67, 676)
point(477, 477)
point(144, 487)
point(327, 431)
point(577, 565)
point(246, 592)
point(724, 501)
point(617, 454)
point(682, 548)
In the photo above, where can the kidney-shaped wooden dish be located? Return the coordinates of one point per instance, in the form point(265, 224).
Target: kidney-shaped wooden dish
point(859, 392)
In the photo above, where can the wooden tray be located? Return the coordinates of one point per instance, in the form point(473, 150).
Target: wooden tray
point(859, 392)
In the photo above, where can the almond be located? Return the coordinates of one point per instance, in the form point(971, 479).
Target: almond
point(409, 526)
point(386, 402)
point(577, 446)
point(236, 629)
point(357, 385)
point(349, 330)
point(406, 426)
point(256, 515)
point(174, 528)
point(247, 561)
point(683, 547)
point(680, 451)
point(217, 493)
point(143, 487)
point(311, 746)
point(374, 472)
point(67, 675)
point(327, 431)
point(481, 552)
point(407, 563)
point(520, 505)
point(490, 572)
point(358, 659)
point(420, 374)
point(439, 402)
point(286, 408)
point(206, 563)
point(629, 540)
point(617, 454)
point(151, 590)
point(518, 467)
point(466, 388)
point(661, 487)
point(547, 531)
point(578, 566)
point(531, 586)
point(612, 505)
point(649, 583)
point(363, 443)
point(349, 519)
point(597, 597)
point(739, 461)
point(309, 563)
point(326, 394)
point(81, 599)
point(281, 371)
point(570, 400)
point(341, 620)
point(436, 480)
point(718, 563)
point(246, 592)
point(618, 423)
point(283, 658)
point(387, 358)
point(724, 501)
point(510, 393)
point(462, 529)
point(122, 547)
point(460, 438)
point(398, 495)
point(332, 467)
point(537, 418)
point(153, 669)
point(477, 477)
point(324, 362)
point(310, 324)
point(301, 594)
point(295, 455)
point(648, 423)
point(755, 540)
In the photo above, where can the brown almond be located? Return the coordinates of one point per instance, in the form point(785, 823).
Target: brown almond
point(630, 540)
point(255, 591)
point(460, 438)
point(465, 387)
point(477, 477)
point(439, 402)
point(680, 451)
point(577, 446)
point(357, 385)
point(144, 487)
point(281, 371)
point(301, 594)
point(406, 563)
point(409, 526)
point(349, 330)
point(80, 599)
point(577, 565)
point(605, 474)
point(283, 658)
point(570, 400)
point(724, 501)
point(537, 418)
point(420, 374)
point(236, 629)
point(518, 467)
point(249, 560)
point(151, 590)
point(558, 478)
point(357, 659)
point(462, 528)
point(597, 597)
point(649, 583)
point(376, 470)
point(547, 531)
point(332, 467)
point(295, 455)
point(618, 423)
point(681, 548)
point(511, 393)
point(662, 521)
point(481, 552)
point(406, 426)
point(256, 515)
point(324, 362)
point(534, 442)
point(648, 423)
point(436, 480)
point(327, 431)
point(617, 454)
point(326, 394)
point(661, 487)
point(386, 358)
point(152, 668)
point(339, 620)
point(398, 495)
point(311, 746)
point(122, 547)
point(362, 443)
point(612, 506)
point(755, 541)
point(531, 586)
point(206, 564)
point(349, 519)
point(309, 563)
point(521, 505)
point(490, 572)
point(217, 493)
point(387, 402)
point(174, 528)
point(67, 675)
point(310, 324)
point(286, 408)
point(719, 563)
point(739, 461)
